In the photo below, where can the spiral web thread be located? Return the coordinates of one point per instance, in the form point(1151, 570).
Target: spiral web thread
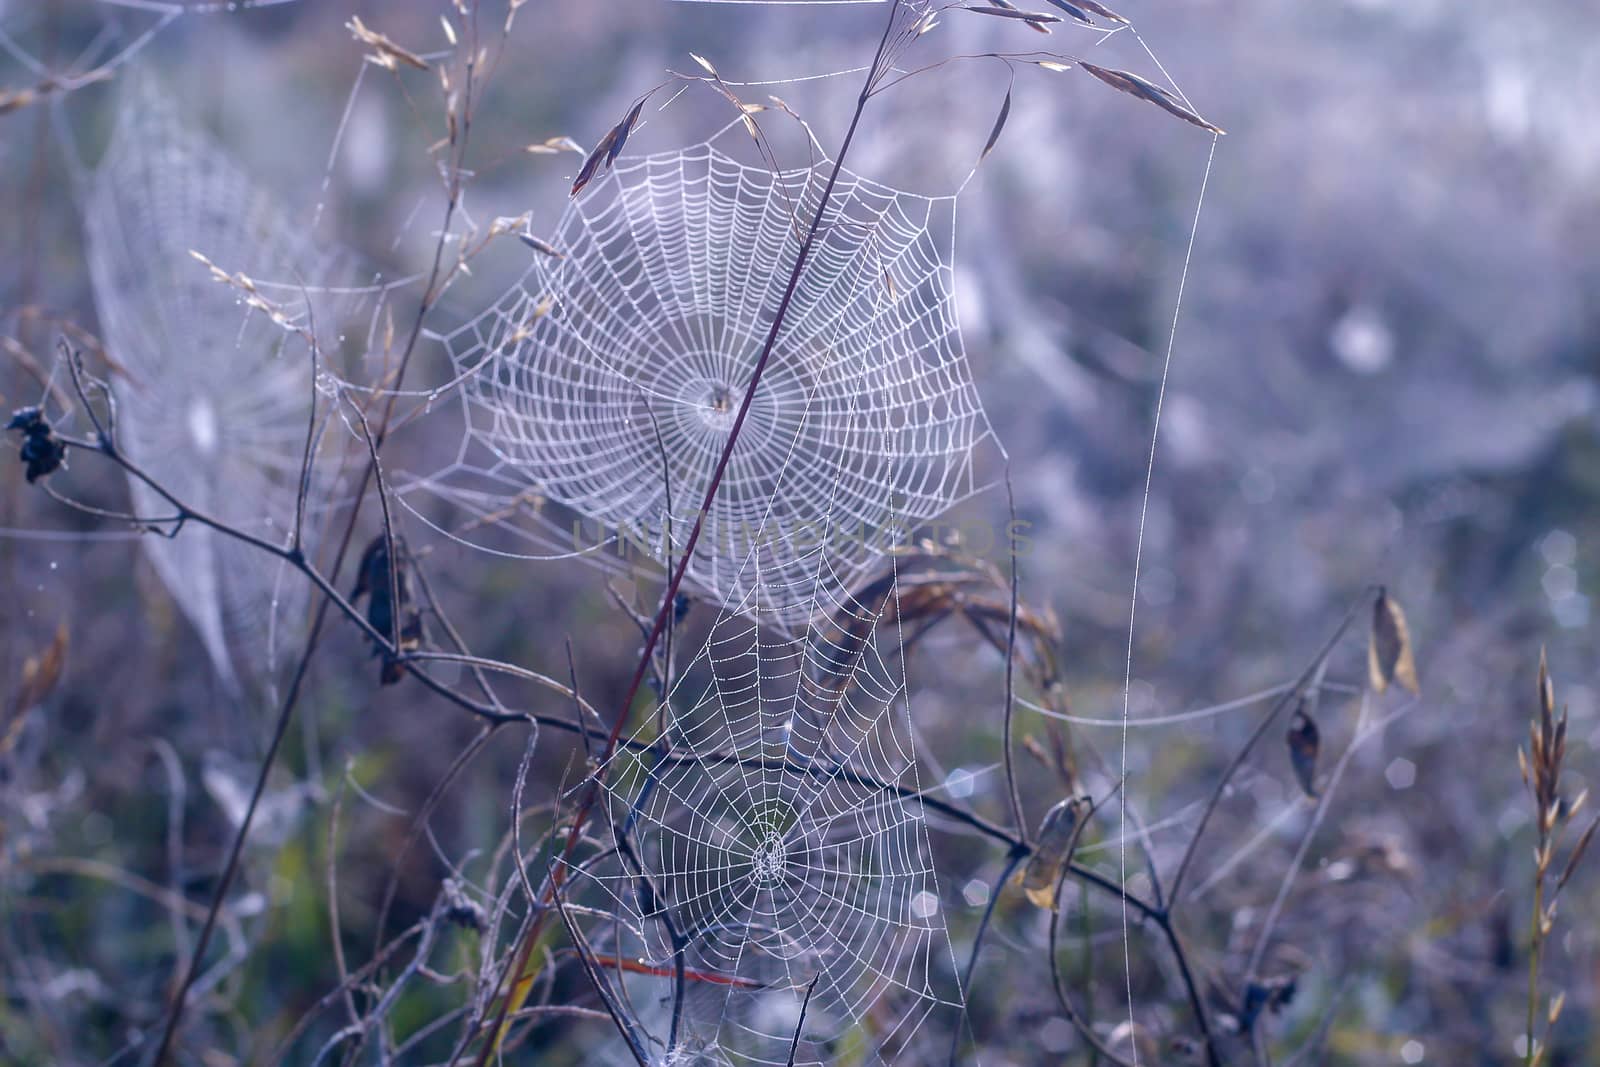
point(777, 825)
point(214, 399)
point(610, 373)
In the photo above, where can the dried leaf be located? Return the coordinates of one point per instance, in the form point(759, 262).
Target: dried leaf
point(17, 99)
point(592, 164)
point(542, 246)
point(624, 128)
point(999, 124)
point(504, 224)
point(1577, 854)
point(1389, 654)
point(605, 153)
point(385, 52)
point(1102, 10)
point(706, 63)
point(1007, 5)
point(40, 673)
point(389, 598)
point(511, 14)
point(1034, 18)
point(1058, 839)
point(551, 145)
point(1134, 85)
point(1577, 803)
point(1050, 64)
point(1304, 741)
point(1273, 994)
point(1072, 9)
point(1547, 688)
point(42, 452)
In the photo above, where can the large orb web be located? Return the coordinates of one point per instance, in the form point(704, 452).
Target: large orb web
point(617, 369)
point(781, 836)
point(214, 399)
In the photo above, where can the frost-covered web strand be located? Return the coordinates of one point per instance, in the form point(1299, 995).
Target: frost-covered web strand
point(1138, 557)
point(1152, 721)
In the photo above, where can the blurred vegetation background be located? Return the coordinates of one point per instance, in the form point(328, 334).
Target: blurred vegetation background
point(1385, 372)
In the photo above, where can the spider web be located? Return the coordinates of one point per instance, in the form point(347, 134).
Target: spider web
point(214, 397)
point(774, 829)
point(615, 370)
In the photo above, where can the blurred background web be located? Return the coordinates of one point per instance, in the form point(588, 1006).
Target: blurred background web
point(211, 396)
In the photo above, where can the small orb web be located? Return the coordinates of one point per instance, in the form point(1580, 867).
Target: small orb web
point(618, 369)
point(775, 831)
point(211, 397)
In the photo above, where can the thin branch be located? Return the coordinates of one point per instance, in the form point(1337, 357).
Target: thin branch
point(335, 926)
point(794, 1046)
point(420, 821)
point(230, 869)
point(359, 975)
point(1288, 697)
point(1018, 854)
point(601, 986)
point(1015, 793)
point(307, 458)
point(1078, 1022)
